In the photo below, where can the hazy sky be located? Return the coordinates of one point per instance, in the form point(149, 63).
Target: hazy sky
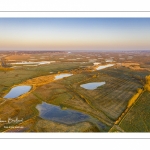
point(74, 33)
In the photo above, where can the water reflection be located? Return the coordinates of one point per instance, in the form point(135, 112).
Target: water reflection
point(55, 113)
point(104, 66)
point(60, 76)
point(17, 91)
point(92, 85)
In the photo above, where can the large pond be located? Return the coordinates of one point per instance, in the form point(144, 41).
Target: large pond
point(92, 85)
point(55, 113)
point(66, 116)
point(60, 76)
point(17, 91)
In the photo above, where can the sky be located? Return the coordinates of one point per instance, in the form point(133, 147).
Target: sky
point(75, 34)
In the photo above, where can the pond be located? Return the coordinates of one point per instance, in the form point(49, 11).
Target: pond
point(92, 85)
point(55, 113)
point(104, 66)
point(66, 116)
point(17, 91)
point(60, 76)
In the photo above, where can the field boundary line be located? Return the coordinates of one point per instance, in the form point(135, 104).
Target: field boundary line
point(126, 112)
point(131, 107)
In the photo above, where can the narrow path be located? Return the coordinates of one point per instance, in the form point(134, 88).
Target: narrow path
point(3, 102)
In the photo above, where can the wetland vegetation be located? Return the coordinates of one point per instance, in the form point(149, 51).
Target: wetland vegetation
point(81, 92)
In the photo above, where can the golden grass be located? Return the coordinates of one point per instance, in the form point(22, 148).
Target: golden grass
point(134, 98)
point(133, 66)
point(6, 69)
point(38, 81)
point(147, 85)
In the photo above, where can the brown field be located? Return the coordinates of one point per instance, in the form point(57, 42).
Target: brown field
point(134, 66)
point(22, 57)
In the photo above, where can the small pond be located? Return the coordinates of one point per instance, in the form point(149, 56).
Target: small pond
point(92, 85)
point(60, 76)
point(104, 66)
point(55, 113)
point(17, 91)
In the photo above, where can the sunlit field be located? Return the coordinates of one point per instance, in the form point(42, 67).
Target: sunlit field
point(62, 104)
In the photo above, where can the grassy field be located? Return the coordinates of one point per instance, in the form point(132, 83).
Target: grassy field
point(23, 73)
point(137, 119)
point(24, 107)
point(104, 105)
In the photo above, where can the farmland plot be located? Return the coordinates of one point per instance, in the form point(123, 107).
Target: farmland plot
point(105, 103)
point(111, 98)
point(137, 119)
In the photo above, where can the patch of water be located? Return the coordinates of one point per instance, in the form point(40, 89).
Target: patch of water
point(60, 76)
point(104, 66)
point(17, 91)
point(55, 113)
point(92, 85)
point(67, 116)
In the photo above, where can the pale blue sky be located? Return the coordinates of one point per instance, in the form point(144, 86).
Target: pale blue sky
point(74, 33)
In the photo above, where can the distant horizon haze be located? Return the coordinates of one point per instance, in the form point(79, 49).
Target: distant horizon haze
point(74, 34)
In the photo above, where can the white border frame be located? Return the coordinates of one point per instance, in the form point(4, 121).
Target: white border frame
point(73, 14)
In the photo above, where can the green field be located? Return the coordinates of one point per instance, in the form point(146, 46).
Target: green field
point(137, 119)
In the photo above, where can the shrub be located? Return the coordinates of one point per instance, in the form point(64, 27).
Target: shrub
point(147, 85)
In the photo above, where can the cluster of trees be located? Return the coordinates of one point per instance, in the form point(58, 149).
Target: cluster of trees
point(147, 85)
